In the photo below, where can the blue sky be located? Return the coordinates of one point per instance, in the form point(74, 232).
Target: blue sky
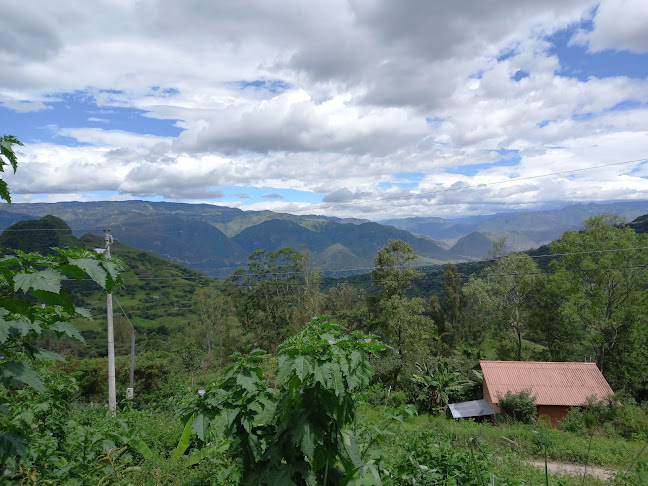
point(263, 108)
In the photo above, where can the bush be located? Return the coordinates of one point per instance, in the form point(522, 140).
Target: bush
point(628, 421)
point(519, 407)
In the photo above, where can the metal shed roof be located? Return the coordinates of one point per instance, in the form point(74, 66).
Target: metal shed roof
point(473, 408)
point(552, 383)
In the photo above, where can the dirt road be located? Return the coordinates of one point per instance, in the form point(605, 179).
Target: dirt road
point(576, 469)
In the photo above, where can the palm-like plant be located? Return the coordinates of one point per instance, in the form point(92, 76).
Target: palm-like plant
point(439, 383)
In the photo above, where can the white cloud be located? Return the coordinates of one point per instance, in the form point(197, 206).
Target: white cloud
point(619, 25)
point(351, 93)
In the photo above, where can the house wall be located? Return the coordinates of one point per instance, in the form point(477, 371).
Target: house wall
point(487, 397)
point(556, 413)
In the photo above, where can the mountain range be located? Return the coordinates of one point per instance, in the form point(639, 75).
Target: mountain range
point(469, 236)
point(216, 240)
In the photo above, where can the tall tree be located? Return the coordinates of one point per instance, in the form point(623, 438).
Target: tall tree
point(454, 302)
point(400, 318)
point(268, 292)
point(215, 326)
point(504, 292)
point(606, 270)
point(312, 300)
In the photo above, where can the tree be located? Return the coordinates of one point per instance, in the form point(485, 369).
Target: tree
point(504, 291)
point(399, 317)
point(215, 328)
point(449, 314)
point(548, 326)
point(311, 302)
point(267, 293)
point(605, 269)
point(393, 267)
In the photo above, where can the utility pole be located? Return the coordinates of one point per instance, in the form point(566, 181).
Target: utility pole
point(112, 394)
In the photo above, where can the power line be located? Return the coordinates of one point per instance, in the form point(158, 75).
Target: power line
point(473, 186)
point(368, 269)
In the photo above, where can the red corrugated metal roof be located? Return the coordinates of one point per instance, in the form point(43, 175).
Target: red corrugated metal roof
point(552, 383)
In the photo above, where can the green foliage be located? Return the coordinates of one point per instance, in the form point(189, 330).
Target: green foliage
point(428, 460)
point(394, 270)
point(7, 157)
point(614, 419)
point(606, 297)
point(215, 327)
point(294, 433)
point(267, 293)
point(504, 293)
point(32, 302)
point(519, 407)
point(400, 318)
point(440, 383)
point(40, 236)
point(51, 445)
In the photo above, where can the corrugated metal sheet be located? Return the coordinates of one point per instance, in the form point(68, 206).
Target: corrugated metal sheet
point(552, 383)
point(473, 408)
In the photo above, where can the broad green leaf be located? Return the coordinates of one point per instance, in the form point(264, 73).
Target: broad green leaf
point(4, 190)
point(322, 374)
point(72, 271)
point(11, 443)
point(48, 280)
point(68, 329)
point(352, 449)
point(93, 268)
point(337, 381)
point(199, 426)
point(302, 367)
point(198, 456)
point(247, 381)
point(17, 305)
point(53, 298)
point(285, 368)
point(307, 440)
point(41, 354)
point(185, 439)
point(4, 331)
point(27, 417)
point(113, 270)
point(19, 372)
point(83, 312)
point(140, 446)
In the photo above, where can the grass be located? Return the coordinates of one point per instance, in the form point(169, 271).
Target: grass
point(505, 460)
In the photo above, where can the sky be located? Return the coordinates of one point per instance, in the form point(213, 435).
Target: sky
point(371, 109)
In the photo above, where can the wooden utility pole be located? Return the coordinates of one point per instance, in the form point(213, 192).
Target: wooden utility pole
point(112, 393)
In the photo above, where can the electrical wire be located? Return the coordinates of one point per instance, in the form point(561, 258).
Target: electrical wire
point(123, 312)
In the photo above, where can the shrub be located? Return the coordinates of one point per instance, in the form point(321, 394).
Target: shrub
point(519, 407)
point(293, 433)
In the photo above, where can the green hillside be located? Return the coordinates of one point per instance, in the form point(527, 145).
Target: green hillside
point(217, 240)
point(156, 294)
point(38, 235)
point(156, 297)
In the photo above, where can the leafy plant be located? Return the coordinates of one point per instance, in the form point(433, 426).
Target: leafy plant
point(295, 433)
point(439, 384)
point(518, 406)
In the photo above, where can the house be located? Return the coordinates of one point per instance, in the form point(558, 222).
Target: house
point(556, 386)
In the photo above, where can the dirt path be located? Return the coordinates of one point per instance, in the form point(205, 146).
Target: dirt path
point(576, 469)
